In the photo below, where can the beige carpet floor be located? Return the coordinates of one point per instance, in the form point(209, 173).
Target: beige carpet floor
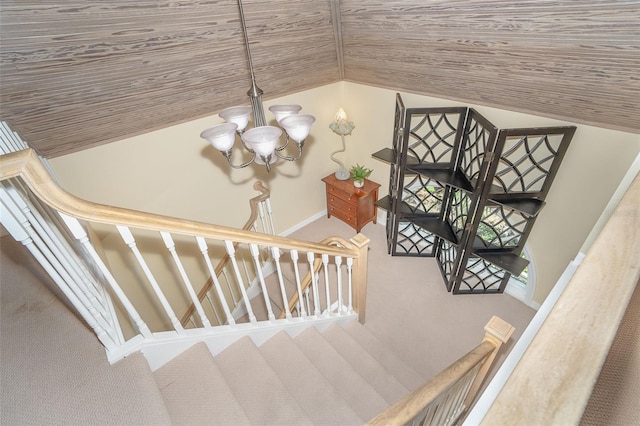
point(410, 310)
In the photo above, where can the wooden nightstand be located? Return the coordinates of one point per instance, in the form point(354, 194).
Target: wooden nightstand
point(354, 206)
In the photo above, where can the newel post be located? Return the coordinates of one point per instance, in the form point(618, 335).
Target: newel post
point(360, 275)
point(497, 332)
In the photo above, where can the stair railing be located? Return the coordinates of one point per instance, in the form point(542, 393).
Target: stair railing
point(135, 308)
point(260, 220)
point(447, 397)
point(310, 296)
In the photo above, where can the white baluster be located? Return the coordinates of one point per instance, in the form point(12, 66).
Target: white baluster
point(11, 142)
point(216, 283)
point(54, 257)
point(78, 232)
point(55, 228)
point(443, 407)
point(255, 253)
point(349, 270)
point(226, 279)
point(314, 285)
point(231, 251)
point(272, 229)
point(247, 274)
point(213, 308)
point(306, 298)
point(294, 258)
point(13, 227)
point(460, 395)
point(262, 217)
point(168, 242)
point(49, 224)
point(33, 218)
point(128, 239)
point(339, 283)
point(325, 266)
point(276, 257)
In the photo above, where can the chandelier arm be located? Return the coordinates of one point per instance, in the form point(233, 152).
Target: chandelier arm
point(247, 147)
point(286, 142)
point(227, 155)
point(289, 158)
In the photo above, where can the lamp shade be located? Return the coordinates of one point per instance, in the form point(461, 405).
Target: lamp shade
point(221, 136)
point(237, 114)
point(262, 140)
point(298, 126)
point(282, 111)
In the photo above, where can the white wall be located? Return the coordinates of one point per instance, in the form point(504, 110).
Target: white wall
point(174, 172)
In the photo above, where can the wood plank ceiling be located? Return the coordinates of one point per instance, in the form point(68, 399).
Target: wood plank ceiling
point(81, 73)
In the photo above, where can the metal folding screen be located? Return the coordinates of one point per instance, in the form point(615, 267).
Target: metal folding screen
point(466, 192)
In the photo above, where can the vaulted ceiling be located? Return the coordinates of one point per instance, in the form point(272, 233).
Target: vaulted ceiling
point(81, 73)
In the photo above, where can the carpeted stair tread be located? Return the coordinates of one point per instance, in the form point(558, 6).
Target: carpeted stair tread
point(406, 375)
point(262, 395)
point(195, 391)
point(53, 369)
point(365, 364)
point(358, 393)
point(315, 395)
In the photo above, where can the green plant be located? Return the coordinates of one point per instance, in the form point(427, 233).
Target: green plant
point(359, 173)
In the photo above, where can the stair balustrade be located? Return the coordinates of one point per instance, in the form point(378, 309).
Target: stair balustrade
point(260, 220)
point(447, 397)
point(132, 301)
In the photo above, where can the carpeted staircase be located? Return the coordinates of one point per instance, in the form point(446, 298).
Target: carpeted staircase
point(337, 376)
point(340, 376)
point(54, 371)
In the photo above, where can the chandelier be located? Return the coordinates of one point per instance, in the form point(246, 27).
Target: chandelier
point(261, 140)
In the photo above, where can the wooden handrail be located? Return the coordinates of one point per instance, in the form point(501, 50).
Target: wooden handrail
point(408, 408)
point(27, 165)
point(405, 410)
point(253, 216)
point(254, 202)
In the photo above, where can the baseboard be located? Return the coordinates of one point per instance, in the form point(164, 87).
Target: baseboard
point(303, 223)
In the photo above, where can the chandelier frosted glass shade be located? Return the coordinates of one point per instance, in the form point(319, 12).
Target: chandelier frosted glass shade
point(282, 111)
point(262, 140)
point(221, 136)
point(238, 115)
point(298, 126)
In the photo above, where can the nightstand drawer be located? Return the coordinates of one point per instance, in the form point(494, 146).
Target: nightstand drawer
point(341, 205)
point(351, 219)
point(349, 198)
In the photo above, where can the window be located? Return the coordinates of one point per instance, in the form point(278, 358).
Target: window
point(523, 286)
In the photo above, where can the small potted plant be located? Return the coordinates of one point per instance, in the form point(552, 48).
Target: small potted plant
point(358, 174)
